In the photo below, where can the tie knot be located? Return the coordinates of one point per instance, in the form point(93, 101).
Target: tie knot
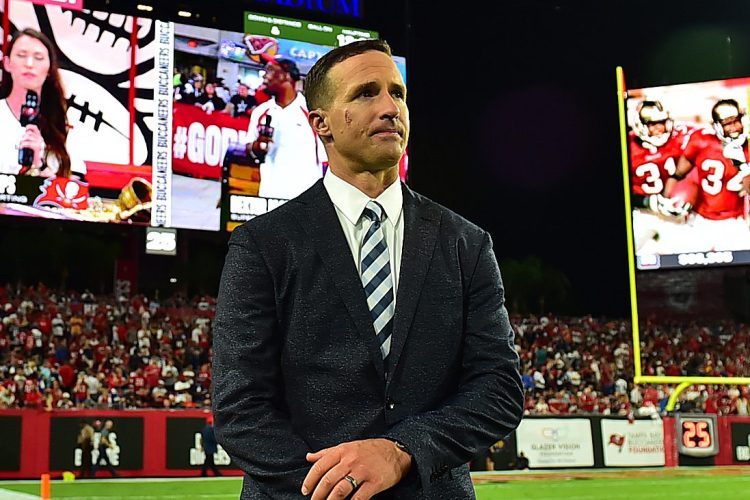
point(374, 211)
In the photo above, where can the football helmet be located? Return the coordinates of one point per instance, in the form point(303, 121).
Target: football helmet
point(651, 113)
point(726, 111)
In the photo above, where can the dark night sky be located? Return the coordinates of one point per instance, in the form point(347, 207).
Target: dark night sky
point(514, 118)
point(514, 112)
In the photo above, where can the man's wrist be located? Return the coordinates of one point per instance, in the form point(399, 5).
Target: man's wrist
point(404, 456)
point(402, 447)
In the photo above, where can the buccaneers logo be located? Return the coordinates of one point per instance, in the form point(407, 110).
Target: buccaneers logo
point(617, 440)
point(63, 193)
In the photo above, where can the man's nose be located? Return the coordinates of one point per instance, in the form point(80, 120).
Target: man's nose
point(389, 107)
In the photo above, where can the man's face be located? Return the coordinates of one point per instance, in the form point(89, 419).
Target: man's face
point(367, 117)
point(657, 128)
point(274, 78)
point(732, 127)
point(242, 91)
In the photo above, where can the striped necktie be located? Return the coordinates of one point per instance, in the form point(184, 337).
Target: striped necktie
point(375, 270)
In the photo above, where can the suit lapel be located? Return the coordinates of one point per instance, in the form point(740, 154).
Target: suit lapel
point(324, 230)
point(420, 234)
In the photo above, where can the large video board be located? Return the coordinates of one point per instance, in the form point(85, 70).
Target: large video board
point(152, 109)
point(109, 113)
point(689, 174)
point(296, 157)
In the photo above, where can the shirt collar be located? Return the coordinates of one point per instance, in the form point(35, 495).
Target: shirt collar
point(351, 201)
point(298, 101)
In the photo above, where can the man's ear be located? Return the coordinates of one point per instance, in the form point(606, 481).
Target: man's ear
point(318, 119)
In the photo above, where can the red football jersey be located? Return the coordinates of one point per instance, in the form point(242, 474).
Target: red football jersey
point(719, 178)
point(651, 166)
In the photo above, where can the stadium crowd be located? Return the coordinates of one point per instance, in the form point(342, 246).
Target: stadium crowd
point(61, 350)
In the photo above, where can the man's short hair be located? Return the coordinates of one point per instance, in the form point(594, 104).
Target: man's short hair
point(289, 67)
point(318, 88)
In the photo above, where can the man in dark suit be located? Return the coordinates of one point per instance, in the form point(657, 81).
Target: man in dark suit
point(361, 343)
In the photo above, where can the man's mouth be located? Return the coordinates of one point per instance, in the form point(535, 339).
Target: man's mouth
point(387, 132)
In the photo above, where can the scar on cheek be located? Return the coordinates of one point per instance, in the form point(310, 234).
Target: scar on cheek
point(347, 117)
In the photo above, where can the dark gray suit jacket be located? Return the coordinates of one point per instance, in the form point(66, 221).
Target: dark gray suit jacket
point(296, 366)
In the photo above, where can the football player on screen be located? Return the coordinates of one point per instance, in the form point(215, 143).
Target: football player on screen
point(720, 157)
point(656, 143)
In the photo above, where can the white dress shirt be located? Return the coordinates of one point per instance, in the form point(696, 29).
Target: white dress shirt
point(295, 157)
point(350, 202)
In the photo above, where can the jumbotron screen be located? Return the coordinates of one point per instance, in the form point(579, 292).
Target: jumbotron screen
point(256, 182)
point(109, 174)
point(153, 108)
point(689, 174)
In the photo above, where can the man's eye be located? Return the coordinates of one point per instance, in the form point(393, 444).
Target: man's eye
point(397, 94)
point(366, 93)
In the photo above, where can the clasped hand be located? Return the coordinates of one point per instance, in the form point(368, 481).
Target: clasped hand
point(375, 465)
point(32, 139)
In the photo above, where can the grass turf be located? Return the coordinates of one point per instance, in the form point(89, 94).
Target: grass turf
point(703, 488)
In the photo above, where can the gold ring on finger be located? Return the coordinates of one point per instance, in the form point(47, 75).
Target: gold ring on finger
point(352, 481)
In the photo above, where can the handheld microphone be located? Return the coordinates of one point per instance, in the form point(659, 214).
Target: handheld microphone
point(264, 130)
point(28, 116)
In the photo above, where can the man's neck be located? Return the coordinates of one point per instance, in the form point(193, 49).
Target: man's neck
point(287, 95)
point(370, 183)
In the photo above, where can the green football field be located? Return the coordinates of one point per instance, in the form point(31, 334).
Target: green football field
point(704, 485)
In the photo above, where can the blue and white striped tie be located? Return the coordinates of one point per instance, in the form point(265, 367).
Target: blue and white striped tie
point(375, 270)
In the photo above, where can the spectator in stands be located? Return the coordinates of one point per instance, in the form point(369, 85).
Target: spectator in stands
point(174, 333)
point(541, 408)
point(93, 385)
point(209, 101)
point(528, 381)
point(169, 374)
point(81, 390)
point(242, 103)
point(7, 398)
point(539, 381)
point(65, 403)
point(192, 90)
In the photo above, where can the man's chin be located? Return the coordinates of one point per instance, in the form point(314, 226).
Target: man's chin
point(384, 164)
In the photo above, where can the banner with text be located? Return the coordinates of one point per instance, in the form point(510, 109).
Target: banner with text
point(162, 145)
point(550, 442)
point(201, 139)
point(633, 444)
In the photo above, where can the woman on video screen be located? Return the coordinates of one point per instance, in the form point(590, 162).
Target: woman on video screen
point(31, 64)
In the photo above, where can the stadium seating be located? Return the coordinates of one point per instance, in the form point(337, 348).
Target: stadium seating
point(62, 350)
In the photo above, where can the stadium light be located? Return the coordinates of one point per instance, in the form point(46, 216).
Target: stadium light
point(146, 8)
point(184, 13)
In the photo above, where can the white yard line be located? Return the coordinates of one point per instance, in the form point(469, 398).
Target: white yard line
point(14, 495)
